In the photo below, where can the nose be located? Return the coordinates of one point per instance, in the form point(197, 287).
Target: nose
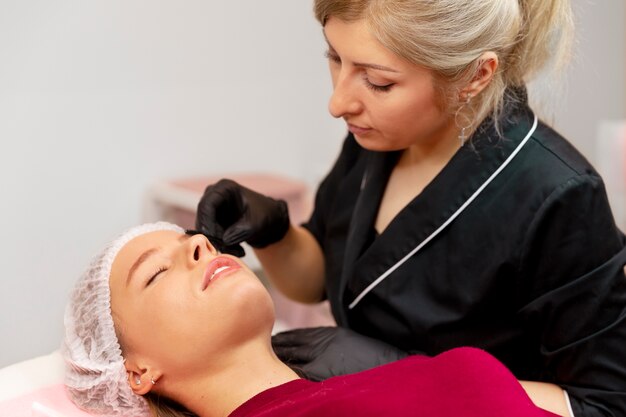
point(344, 100)
point(197, 248)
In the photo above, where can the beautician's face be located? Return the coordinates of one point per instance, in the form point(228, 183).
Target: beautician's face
point(387, 102)
point(178, 302)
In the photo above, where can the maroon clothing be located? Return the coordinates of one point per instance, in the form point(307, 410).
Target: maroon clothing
point(464, 382)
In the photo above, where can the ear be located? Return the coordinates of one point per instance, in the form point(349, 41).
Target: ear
point(141, 379)
point(487, 67)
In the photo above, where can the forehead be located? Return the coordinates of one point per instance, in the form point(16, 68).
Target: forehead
point(352, 35)
point(354, 42)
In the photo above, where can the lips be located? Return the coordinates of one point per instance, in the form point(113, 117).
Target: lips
point(358, 130)
point(217, 268)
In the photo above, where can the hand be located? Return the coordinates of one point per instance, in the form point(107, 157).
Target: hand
point(233, 214)
point(322, 352)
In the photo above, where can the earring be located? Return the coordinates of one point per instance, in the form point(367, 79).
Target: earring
point(153, 381)
point(137, 381)
point(462, 120)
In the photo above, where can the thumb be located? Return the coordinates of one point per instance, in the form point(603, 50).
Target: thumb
point(239, 232)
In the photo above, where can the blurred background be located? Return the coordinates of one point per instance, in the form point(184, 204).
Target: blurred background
point(100, 100)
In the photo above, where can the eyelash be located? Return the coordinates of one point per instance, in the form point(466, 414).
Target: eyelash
point(156, 274)
point(377, 88)
point(332, 57)
point(368, 84)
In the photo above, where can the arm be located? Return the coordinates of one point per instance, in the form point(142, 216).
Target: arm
point(576, 297)
point(295, 265)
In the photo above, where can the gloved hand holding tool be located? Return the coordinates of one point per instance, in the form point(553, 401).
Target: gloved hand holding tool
point(230, 214)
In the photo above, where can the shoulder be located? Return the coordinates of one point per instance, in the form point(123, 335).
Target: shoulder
point(565, 158)
point(558, 178)
point(548, 163)
point(545, 145)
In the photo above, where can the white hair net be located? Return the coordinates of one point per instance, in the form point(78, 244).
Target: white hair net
point(95, 375)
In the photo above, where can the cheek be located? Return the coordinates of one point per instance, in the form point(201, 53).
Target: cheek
point(162, 325)
point(408, 114)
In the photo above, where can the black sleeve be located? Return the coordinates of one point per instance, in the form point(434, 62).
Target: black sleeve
point(576, 296)
point(327, 191)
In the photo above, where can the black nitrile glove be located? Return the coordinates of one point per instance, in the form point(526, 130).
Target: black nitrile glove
point(323, 352)
point(231, 214)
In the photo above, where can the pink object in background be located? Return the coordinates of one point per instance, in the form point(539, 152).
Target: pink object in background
point(279, 187)
point(51, 401)
point(176, 201)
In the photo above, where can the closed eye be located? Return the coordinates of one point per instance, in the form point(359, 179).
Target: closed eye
point(155, 275)
point(378, 88)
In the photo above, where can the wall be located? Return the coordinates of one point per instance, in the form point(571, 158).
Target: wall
point(595, 81)
point(100, 99)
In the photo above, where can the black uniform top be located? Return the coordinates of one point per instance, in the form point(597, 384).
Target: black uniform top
point(530, 271)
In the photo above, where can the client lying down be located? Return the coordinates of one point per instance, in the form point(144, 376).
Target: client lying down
point(162, 324)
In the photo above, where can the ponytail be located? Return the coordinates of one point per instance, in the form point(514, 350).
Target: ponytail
point(545, 37)
point(164, 407)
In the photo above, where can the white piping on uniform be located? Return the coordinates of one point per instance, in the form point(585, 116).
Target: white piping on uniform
point(363, 180)
point(450, 219)
point(569, 404)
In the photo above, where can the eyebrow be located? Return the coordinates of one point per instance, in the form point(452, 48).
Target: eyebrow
point(373, 66)
point(362, 64)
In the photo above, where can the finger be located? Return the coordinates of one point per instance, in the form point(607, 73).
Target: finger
point(217, 199)
point(206, 216)
point(301, 346)
point(215, 195)
point(305, 336)
point(312, 374)
point(289, 337)
point(295, 355)
point(235, 250)
point(211, 229)
point(238, 232)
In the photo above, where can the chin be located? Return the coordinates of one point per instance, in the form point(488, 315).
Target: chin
point(378, 144)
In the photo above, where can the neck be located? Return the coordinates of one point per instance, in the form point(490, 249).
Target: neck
point(250, 370)
point(436, 152)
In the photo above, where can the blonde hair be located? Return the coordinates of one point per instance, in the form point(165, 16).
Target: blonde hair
point(164, 407)
point(449, 37)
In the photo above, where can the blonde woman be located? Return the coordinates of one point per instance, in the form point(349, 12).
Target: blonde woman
point(163, 324)
point(453, 215)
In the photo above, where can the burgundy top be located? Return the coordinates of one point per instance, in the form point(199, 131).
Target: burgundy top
point(464, 382)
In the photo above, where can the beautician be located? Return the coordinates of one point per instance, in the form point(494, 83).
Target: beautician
point(453, 216)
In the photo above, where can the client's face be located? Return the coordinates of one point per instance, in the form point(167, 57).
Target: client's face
point(183, 306)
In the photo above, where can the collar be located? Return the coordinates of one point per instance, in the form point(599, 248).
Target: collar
point(457, 182)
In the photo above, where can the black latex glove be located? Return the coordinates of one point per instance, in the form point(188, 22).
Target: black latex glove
point(321, 352)
point(232, 213)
